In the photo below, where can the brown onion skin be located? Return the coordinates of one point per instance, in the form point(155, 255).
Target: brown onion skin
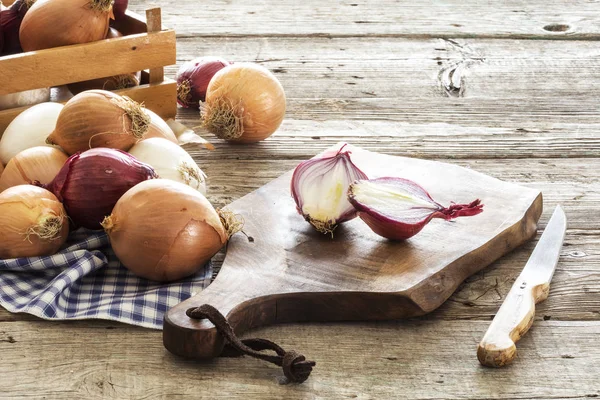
point(35, 247)
point(90, 183)
point(197, 73)
point(36, 164)
point(159, 230)
point(55, 23)
point(259, 90)
point(91, 120)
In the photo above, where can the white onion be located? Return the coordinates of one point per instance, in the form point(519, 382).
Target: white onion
point(26, 98)
point(29, 129)
point(170, 162)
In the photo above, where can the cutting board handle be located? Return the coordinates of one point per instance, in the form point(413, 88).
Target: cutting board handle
point(198, 338)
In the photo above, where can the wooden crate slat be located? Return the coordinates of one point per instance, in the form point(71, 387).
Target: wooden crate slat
point(160, 98)
point(62, 65)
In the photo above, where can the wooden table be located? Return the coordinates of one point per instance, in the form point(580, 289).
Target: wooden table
point(507, 88)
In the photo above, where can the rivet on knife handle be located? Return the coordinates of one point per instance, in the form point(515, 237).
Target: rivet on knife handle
point(531, 287)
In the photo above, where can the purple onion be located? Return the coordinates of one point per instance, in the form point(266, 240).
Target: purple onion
point(319, 188)
point(119, 8)
point(10, 23)
point(90, 183)
point(193, 78)
point(398, 208)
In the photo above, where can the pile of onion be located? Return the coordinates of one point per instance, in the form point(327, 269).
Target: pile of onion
point(40, 164)
point(98, 118)
point(29, 129)
point(54, 23)
point(33, 222)
point(164, 230)
point(244, 103)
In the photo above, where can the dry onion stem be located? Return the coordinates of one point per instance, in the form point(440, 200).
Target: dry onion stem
point(233, 223)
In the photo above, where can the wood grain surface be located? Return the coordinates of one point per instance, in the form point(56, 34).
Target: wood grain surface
point(527, 113)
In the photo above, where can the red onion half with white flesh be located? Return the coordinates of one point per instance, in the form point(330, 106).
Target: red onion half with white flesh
point(398, 208)
point(319, 188)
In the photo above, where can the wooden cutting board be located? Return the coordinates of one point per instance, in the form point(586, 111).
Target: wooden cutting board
point(285, 271)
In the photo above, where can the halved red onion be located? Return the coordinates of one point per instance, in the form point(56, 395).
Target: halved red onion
point(319, 188)
point(398, 208)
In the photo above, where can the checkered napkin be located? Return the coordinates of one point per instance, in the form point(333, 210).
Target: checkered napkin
point(86, 281)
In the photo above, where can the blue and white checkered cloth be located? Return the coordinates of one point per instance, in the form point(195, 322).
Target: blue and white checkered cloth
point(87, 281)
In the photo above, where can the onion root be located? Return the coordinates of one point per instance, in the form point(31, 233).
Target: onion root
point(48, 228)
point(140, 121)
point(184, 89)
point(101, 5)
point(191, 172)
point(224, 119)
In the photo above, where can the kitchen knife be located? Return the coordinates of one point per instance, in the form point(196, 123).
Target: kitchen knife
point(516, 314)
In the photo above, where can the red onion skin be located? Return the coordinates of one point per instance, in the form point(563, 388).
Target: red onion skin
point(1, 37)
point(197, 73)
point(119, 8)
point(10, 23)
point(90, 183)
point(395, 229)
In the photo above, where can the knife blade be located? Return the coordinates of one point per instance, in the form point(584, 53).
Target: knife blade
point(516, 314)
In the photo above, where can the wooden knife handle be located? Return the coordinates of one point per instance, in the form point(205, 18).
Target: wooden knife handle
point(513, 320)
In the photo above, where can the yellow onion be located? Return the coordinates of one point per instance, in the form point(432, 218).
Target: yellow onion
point(54, 23)
point(116, 82)
point(40, 164)
point(98, 118)
point(33, 222)
point(244, 103)
point(165, 230)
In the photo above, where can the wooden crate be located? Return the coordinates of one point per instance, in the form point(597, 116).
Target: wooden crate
point(145, 47)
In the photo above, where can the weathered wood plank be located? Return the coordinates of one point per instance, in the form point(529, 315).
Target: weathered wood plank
point(554, 19)
point(432, 128)
point(405, 69)
point(411, 360)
